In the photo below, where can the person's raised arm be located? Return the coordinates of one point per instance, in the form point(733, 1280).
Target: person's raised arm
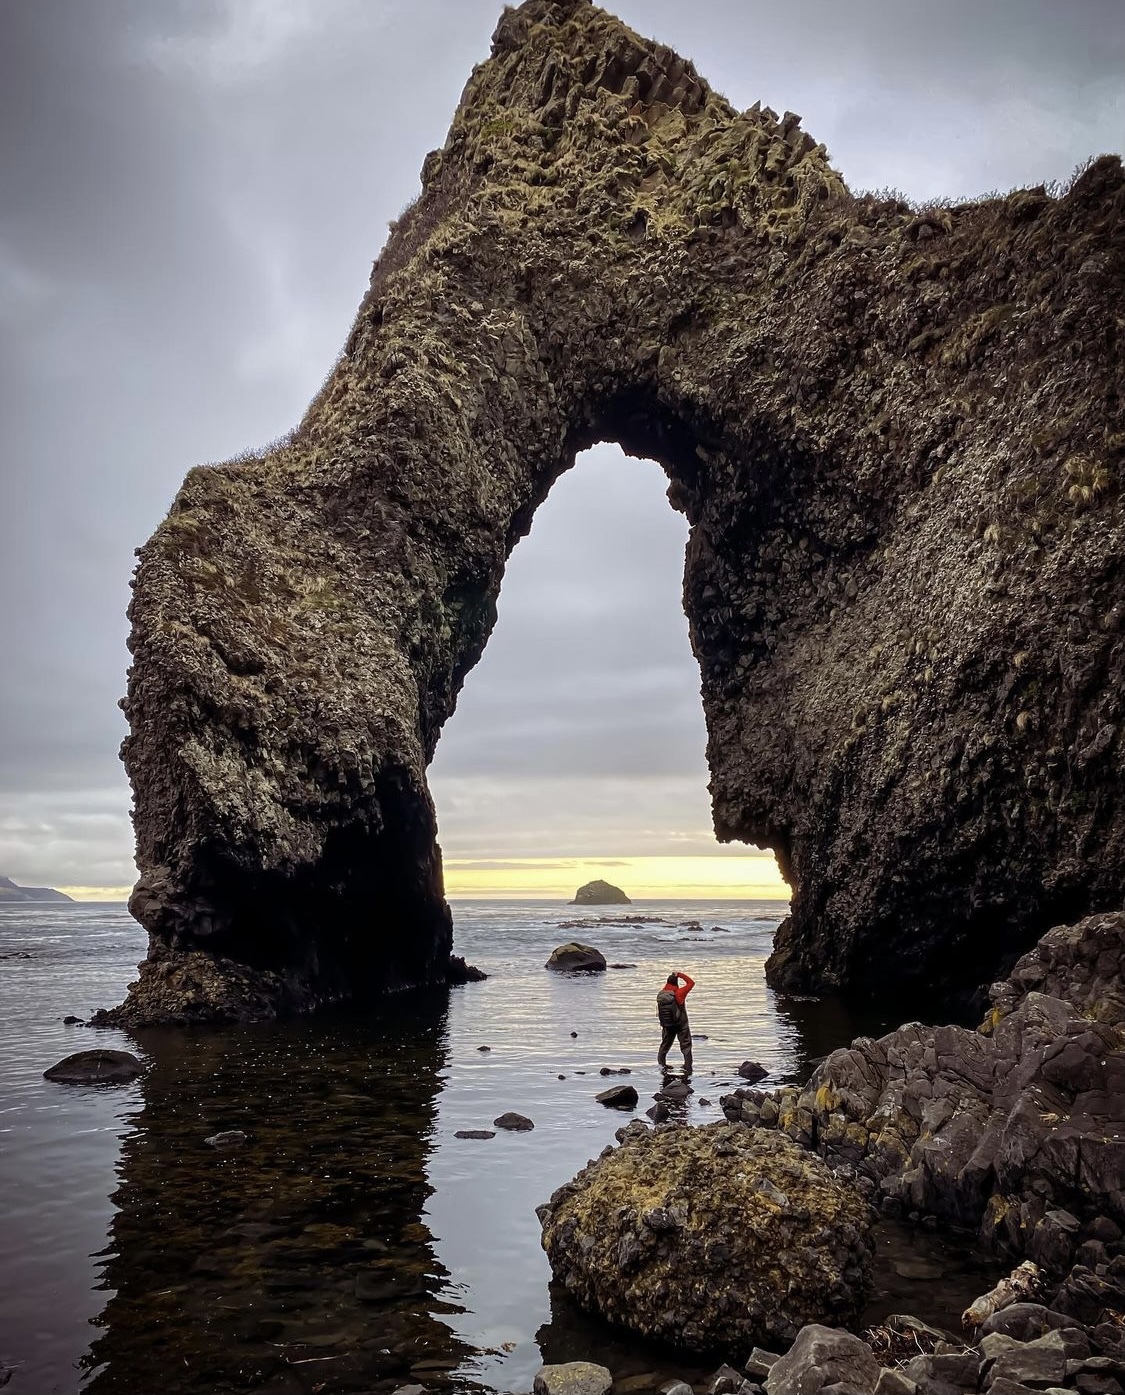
point(688, 985)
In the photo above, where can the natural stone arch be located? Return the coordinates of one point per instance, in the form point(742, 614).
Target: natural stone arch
point(896, 437)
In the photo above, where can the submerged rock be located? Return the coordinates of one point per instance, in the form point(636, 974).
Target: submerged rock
point(600, 893)
point(575, 958)
point(677, 1235)
point(227, 1138)
point(873, 419)
point(100, 1067)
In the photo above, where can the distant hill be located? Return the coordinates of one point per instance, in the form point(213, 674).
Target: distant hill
point(9, 891)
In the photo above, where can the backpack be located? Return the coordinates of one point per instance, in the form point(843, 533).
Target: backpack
point(668, 1009)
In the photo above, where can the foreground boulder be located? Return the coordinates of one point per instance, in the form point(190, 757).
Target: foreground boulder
point(1017, 1129)
point(96, 1068)
point(874, 419)
point(575, 958)
point(710, 1237)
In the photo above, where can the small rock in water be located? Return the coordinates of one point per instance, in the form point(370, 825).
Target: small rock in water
point(623, 966)
point(752, 1071)
point(227, 1138)
point(705, 1102)
point(72, 1021)
point(517, 1123)
point(484, 1048)
point(574, 1034)
point(475, 1133)
point(618, 1097)
point(615, 1070)
point(573, 1378)
point(658, 1113)
point(701, 1036)
point(562, 1077)
point(674, 1090)
point(99, 1067)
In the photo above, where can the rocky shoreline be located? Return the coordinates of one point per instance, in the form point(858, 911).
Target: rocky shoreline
point(1015, 1131)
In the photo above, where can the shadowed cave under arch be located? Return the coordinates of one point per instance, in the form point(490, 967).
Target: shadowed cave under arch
point(897, 438)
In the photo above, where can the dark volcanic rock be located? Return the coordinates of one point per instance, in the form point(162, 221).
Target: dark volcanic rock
point(477, 1133)
point(600, 894)
point(714, 1206)
point(752, 1071)
point(96, 1068)
point(896, 437)
point(823, 1356)
point(576, 958)
point(618, 1097)
point(1017, 1128)
point(516, 1123)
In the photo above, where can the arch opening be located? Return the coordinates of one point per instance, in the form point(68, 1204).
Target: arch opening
point(579, 737)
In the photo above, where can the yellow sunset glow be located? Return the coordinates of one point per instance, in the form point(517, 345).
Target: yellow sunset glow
point(96, 893)
point(733, 877)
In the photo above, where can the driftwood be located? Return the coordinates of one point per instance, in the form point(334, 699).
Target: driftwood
point(1021, 1284)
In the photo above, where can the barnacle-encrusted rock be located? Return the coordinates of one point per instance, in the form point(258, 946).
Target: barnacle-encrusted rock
point(710, 1237)
point(897, 437)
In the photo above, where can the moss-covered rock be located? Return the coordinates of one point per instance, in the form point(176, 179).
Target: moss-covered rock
point(709, 1237)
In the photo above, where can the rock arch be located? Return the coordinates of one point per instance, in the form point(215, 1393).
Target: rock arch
point(897, 438)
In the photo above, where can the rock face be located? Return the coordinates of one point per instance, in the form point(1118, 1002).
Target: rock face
point(897, 438)
point(575, 958)
point(1017, 1129)
point(710, 1237)
point(600, 894)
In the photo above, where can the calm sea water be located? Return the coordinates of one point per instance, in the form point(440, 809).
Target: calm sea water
point(355, 1243)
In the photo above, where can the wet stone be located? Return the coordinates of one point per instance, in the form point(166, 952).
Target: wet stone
point(227, 1138)
point(475, 1133)
point(513, 1122)
point(618, 1097)
point(100, 1067)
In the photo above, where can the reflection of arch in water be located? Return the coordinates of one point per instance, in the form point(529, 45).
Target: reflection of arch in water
point(301, 1255)
point(890, 435)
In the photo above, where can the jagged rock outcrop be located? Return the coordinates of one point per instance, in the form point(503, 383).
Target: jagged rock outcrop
point(897, 436)
point(599, 893)
point(710, 1237)
point(1017, 1129)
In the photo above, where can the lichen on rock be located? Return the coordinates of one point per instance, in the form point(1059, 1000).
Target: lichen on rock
point(897, 438)
point(710, 1237)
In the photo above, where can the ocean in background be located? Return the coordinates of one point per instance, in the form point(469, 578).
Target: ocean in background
point(355, 1243)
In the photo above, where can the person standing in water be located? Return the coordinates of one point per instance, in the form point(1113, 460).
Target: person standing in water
point(672, 1011)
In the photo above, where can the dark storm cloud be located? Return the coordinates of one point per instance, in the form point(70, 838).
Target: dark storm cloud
point(191, 195)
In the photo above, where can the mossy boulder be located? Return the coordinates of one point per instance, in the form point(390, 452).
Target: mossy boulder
point(713, 1236)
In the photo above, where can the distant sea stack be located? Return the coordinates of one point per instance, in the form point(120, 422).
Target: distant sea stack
point(600, 894)
point(9, 891)
point(896, 435)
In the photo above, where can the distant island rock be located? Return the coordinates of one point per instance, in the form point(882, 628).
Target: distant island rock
point(600, 894)
point(9, 891)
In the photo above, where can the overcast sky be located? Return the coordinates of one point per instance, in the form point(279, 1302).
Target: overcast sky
point(193, 192)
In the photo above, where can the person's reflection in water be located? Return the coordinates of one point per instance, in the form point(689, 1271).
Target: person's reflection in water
point(296, 1261)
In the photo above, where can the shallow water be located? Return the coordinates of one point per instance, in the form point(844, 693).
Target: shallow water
point(355, 1243)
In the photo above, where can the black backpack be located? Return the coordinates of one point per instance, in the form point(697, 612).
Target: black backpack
point(668, 1009)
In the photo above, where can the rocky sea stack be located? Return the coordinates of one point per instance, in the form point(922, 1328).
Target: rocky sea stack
point(711, 1237)
point(599, 893)
point(897, 437)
